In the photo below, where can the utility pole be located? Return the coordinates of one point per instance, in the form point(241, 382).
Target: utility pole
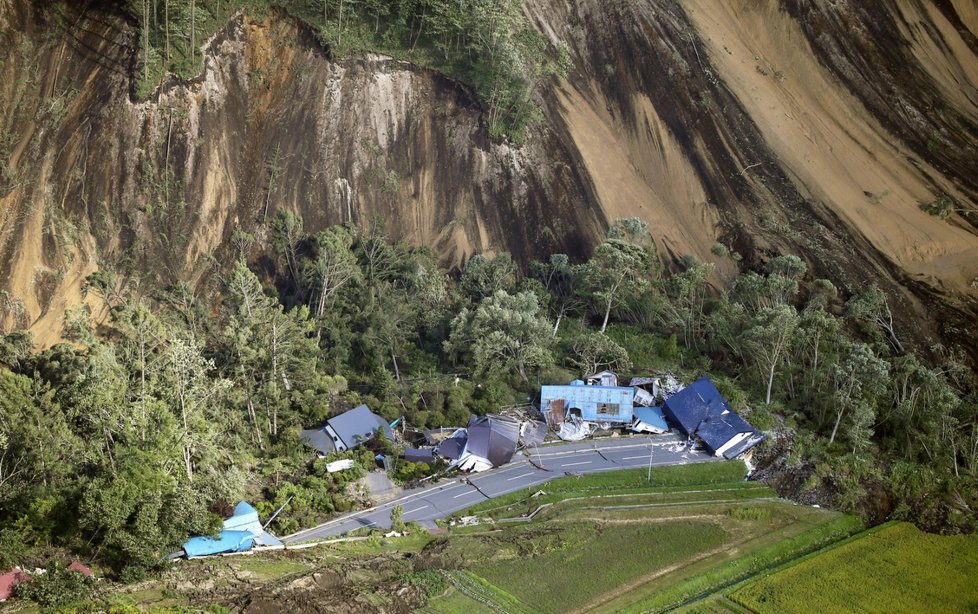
point(539, 458)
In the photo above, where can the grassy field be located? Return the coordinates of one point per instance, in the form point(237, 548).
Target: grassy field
point(613, 542)
point(682, 481)
point(895, 568)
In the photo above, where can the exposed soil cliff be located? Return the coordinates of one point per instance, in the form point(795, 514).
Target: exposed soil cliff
point(801, 127)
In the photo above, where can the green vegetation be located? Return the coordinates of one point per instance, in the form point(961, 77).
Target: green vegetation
point(766, 553)
point(602, 552)
point(586, 560)
point(488, 45)
point(894, 568)
point(668, 484)
point(119, 446)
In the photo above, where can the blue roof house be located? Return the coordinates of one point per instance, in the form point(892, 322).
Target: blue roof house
point(700, 411)
point(589, 403)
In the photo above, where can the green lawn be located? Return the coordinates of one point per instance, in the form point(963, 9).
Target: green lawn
point(896, 568)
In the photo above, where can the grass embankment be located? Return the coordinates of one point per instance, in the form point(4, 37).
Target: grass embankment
point(613, 541)
point(893, 568)
point(678, 483)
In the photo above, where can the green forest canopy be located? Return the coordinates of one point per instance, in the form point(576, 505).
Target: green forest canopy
point(121, 444)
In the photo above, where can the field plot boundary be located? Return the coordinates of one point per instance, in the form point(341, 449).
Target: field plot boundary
point(892, 567)
point(742, 568)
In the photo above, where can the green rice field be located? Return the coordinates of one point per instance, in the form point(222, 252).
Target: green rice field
point(896, 568)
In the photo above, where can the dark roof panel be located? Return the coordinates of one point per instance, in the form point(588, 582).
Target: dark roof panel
point(694, 404)
point(318, 439)
point(358, 425)
point(493, 438)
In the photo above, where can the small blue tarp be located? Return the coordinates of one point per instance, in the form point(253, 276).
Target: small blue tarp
point(226, 541)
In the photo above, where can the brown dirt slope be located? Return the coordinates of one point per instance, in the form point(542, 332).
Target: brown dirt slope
point(773, 127)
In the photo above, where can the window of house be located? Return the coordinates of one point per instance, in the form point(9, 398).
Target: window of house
point(608, 409)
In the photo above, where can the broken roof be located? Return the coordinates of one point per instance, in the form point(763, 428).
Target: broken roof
point(695, 403)
point(699, 409)
point(318, 439)
point(225, 541)
point(452, 447)
point(358, 425)
point(493, 438)
point(652, 416)
point(715, 431)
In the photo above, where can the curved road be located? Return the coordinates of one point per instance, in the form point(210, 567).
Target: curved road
point(533, 467)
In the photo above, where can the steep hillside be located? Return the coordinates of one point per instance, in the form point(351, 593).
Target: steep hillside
point(795, 127)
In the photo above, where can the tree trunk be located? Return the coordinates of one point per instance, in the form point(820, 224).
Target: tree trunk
point(607, 314)
point(193, 30)
point(557, 323)
point(397, 372)
point(835, 429)
point(770, 383)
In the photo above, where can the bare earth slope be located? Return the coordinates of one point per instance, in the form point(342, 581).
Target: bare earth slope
point(795, 127)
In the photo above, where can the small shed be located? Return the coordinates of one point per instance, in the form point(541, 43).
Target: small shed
point(589, 403)
point(602, 378)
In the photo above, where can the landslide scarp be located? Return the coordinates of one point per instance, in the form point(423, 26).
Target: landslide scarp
point(795, 127)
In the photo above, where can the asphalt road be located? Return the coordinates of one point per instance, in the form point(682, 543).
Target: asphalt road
point(533, 467)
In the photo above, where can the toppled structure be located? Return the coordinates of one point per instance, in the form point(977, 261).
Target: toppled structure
point(700, 411)
point(491, 442)
point(347, 430)
point(242, 531)
point(579, 402)
point(649, 420)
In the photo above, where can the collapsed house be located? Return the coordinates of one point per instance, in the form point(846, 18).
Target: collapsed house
point(699, 411)
point(347, 430)
point(487, 442)
point(603, 404)
point(242, 531)
point(574, 410)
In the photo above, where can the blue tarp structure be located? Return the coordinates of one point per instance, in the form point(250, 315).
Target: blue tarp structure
point(225, 541)
point(241, 531)
point(700, 410)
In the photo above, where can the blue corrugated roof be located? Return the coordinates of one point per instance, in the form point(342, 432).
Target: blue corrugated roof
point(700, 410)
point(715, 431)
point(358, 425)
point(694, 404)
